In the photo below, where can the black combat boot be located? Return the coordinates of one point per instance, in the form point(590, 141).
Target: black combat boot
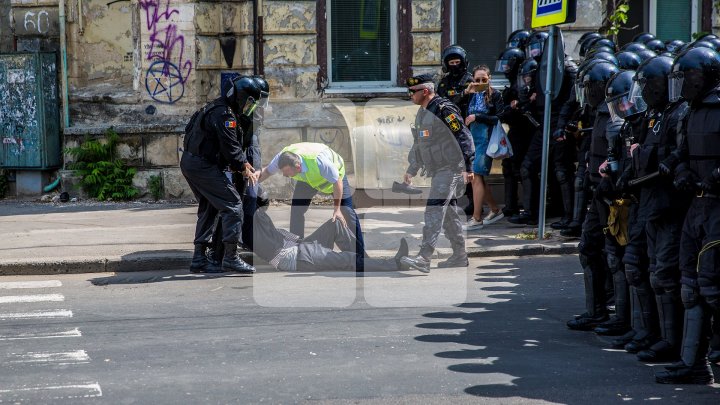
point(233, 262)
point(459, 258)
point(200, 262)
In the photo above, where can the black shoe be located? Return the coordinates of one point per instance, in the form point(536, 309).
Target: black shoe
point(416, 263)
point(509, 212)
point(561, 224)
point(637, 345)
point(402, 251)
point(233, 262)
point(200, 262)
point(613, 327)
point(714, 356)
point(524, 218)
point(586, 323)
point(571, 231)
point(620, 342)
point(405, 188)
point(685, 375)
point(469, 210)
point(456, 260)
point(660, 352)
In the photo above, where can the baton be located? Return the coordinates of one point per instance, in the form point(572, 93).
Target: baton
point(635, 182)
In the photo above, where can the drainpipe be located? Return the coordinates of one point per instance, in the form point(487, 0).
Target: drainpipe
point(255, 38)
point(63, 58)
point(260, 40)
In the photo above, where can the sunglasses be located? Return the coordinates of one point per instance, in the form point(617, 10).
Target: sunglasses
point(413, 91)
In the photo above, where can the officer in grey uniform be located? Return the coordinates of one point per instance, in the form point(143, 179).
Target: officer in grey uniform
point(211, 144)
point(443, 149)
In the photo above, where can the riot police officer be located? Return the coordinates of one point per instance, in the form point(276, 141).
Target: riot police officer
point(211, 144)
point(663, 207)
point(443, 149)
point(695, 77)
point(453, 85)
point(592, 242)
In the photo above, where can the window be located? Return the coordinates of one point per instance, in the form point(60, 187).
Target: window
point(674, 19)
point(482, 27)
point(362, 42)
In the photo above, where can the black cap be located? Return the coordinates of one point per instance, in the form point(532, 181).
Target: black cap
point(420, 79)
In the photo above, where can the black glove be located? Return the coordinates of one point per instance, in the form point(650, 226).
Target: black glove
point(559, 133)
point(667, 166)
point(623, 182)
point(710, 182)
point(605, 190)
point(686, 182)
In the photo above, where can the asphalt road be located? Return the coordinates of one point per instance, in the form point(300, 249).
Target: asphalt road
point(493, 333)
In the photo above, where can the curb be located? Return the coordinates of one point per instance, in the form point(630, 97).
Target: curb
point(164, 261)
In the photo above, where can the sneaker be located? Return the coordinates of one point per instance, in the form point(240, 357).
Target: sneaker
point(493, 217)
point(473, 225)
point(416, 263)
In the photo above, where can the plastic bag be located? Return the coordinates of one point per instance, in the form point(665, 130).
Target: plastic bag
point(499, 146)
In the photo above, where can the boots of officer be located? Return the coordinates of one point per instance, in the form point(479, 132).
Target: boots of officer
point(233, 262)
point(459, 258)
point(593, 273)
point(618, 324)
point(693, 368)
point(200, 262)
point(574, 228)
point(670, 313)
point(648, 332)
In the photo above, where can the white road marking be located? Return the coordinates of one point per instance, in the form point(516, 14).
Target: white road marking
point(87, 390)
point(56, 313)
point(42, 335)
point(12, 299)
point(62, 358)
point(30, 284)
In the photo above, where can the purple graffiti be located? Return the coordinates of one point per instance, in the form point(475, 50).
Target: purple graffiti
point(169, 69)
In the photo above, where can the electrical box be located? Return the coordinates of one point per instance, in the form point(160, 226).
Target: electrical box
point(29, 113)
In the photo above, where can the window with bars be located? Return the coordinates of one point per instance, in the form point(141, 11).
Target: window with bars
point(361, 42)
point(481, 28)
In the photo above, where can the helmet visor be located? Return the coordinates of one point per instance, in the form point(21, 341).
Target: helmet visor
point(675, 85)
point(624, 106)
point(502, 66)
point(263, 105)
point(526, 83)
point(594, 93)
point(534, 50)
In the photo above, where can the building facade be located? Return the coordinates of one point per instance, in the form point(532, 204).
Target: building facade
point(143, 66)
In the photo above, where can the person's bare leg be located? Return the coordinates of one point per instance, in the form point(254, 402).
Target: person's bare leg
point(489, 199)
point(478, 196)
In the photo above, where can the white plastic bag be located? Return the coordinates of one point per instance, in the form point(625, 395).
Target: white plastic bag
point(499, 146)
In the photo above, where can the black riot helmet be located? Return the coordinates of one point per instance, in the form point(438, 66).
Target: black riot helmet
point(597, 49)
point(643, 37)
point(518, 39)
point(651, 81)
point(246, 95)
point(703, 44)
point(674, 45)
point(509, 62)
point(584, 67)
point(715, 42)
point(527, 75)
point(259, 113)
point(694, 73)
point(584, 37)
point(706, 36)
point(536, 44)
point(646, 54)
point(454, 52)
point(588, 43)
point(628, 60)
point(634, 47)
point(594, 82)
point(655, 45)
point(606, 56)
point(604, 42)
point(618, 97)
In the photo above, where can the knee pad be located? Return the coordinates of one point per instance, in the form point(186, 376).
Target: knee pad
point(633, 274)
point(561, 176)
point(525, 171)
point(690, 296)
point(614, 263)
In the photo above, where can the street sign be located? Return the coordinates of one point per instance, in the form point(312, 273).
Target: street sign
point(558, 65)
point(553, 12)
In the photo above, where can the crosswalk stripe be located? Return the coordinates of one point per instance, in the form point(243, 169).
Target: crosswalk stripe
point(12, 299)
point(85, 390)
point(56, 313)
point(30, 284)
point(61, 358)
point(42, 335)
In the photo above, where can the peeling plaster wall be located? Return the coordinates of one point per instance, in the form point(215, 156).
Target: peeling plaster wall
point(6, 41)
point(426, 36)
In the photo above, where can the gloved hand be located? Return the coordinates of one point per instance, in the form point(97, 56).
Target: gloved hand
point(685, 182)
point(623, 181)
point(559, 135)
point(667, 166)
point(710, 182)
point(605, 190)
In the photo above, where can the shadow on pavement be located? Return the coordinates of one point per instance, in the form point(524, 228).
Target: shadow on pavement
point(517, 344)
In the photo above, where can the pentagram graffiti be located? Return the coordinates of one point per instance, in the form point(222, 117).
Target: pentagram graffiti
point(164, 82)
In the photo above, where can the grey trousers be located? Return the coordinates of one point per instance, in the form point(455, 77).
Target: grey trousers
point(441, 213)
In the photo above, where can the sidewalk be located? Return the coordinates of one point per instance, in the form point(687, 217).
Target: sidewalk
point(86, 237)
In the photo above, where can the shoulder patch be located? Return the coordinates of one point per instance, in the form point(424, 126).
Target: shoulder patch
point(230, 124)
point(453, 122)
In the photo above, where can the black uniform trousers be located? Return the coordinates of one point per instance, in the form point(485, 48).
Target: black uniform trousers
point(592, 256)
point(215, 195)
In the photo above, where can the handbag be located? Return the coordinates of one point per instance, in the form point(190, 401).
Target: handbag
point(499, 145)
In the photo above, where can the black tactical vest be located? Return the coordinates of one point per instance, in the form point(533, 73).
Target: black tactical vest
point(197, 136)
point(452, 89)
point(661, 137)
point(598, 145)
point(436, 145)
point(703, 138)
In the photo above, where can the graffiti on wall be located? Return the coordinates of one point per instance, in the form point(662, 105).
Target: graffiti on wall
point(169, 67)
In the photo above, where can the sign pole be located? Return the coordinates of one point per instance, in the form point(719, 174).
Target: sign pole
point(546, 128)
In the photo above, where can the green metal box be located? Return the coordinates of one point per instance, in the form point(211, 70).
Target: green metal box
point(29, 113)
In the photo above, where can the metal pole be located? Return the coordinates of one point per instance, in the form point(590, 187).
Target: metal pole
point(546, 129)
point(65, 86)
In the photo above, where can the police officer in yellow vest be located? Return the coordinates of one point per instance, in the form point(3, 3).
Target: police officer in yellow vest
point(316, 168)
